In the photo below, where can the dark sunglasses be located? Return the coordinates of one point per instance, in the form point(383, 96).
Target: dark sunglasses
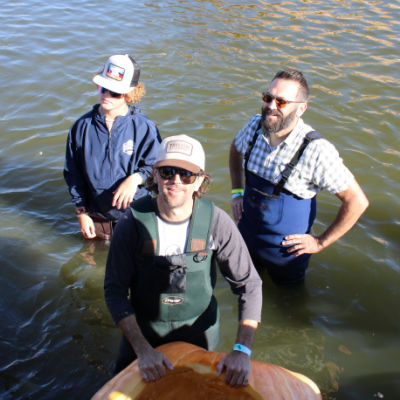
point(112, 94)
point(281, 103)
point(186, 176)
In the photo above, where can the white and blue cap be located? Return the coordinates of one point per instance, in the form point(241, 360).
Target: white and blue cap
point(120, 75)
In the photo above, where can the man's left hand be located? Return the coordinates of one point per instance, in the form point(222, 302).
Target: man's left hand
point(302, 244)
point(237, 368)
point(125, 192)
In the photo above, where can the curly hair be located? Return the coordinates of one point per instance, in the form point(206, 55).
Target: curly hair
point(152, 187)
point(136, 94)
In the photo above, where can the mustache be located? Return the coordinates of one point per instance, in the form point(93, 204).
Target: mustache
point(268, 111)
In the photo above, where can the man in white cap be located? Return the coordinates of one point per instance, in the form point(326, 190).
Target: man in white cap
point(161, 268)
point(110, 150)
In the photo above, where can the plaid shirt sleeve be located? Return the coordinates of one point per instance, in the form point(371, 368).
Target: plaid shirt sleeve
point(329, 173)
point(244, 136)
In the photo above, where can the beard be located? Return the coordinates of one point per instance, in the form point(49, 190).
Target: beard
point(279, 123)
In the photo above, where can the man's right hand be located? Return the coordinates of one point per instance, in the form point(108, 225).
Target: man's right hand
point(152, 364)
point(237, 208)
point(87, 226)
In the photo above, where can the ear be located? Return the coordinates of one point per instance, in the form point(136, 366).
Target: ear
point(301, 109)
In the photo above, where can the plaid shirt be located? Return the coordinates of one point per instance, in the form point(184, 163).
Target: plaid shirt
point(320, 167)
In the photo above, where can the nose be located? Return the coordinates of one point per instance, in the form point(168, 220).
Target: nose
point(271, 104)
point(176, 178)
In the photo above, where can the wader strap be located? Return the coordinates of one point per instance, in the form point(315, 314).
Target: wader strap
point(295, 159)
point(143, 211)
point(250, 148)
point(200, 225)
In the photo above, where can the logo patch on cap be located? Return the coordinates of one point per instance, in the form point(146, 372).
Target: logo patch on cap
point(115, 72)
point(179, 146)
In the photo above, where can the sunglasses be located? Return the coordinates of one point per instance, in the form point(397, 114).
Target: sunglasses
point(112, 94)
point(280, 103)
point(186, 176)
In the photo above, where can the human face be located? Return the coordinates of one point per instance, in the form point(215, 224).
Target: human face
point(174, 194)
point(282, 118)
point(109, 103)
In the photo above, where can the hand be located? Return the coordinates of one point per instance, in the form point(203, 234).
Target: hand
point(302, 244)
point(87, 226)
point(237, 368)
point(152, 364)
point(237, 208)
point(125, 192)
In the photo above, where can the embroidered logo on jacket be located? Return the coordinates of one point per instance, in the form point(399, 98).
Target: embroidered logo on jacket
point(173, 300)
point(127, 147)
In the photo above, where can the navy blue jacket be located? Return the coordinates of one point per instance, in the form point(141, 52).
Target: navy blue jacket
point(97, 162)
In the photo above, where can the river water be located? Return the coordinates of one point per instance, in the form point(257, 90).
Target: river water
point(204, 64)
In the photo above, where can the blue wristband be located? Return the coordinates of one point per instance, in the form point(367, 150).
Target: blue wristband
point(235, 195)
point(242, 348)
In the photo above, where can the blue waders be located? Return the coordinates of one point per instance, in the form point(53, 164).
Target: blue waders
point(267, 219)
point(270, 213)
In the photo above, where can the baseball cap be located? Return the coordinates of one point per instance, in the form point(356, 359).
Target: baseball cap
point(121, 74)
point(181, 151)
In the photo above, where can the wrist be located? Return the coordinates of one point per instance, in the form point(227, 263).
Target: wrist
point(238, 192)
point(242, 348)
point(80, 210)
point(137, 178)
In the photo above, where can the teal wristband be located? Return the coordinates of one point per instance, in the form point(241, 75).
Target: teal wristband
point(242, 348)
point(235, 195)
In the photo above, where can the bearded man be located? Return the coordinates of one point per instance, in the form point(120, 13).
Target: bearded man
point(278, 164)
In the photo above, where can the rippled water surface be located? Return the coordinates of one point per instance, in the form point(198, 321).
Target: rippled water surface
point(204, 64)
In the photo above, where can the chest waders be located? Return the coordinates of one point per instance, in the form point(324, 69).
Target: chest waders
point(271, 213)
point(173, 295)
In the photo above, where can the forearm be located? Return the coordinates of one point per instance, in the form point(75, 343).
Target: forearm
point(246, 332)
point(151, 362)
point(354, 203)
point(134, 335)
point(236, 168)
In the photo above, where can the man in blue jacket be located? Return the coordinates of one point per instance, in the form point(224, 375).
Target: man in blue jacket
point(110, 150)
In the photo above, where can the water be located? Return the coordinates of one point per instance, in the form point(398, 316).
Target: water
point(204, 64)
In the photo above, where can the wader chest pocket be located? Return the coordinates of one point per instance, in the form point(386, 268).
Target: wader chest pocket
point(172, 271)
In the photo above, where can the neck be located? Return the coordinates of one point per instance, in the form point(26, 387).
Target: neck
point(277, 138)
point(113, 114)
point(174, 214)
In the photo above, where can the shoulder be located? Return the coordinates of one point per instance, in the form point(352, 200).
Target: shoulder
point(252, 123)
point(222, 222)
point(243, 137)
point(125, 227)
point(84, 119)
point(137, 115)
point(323, 147)
point(142, 122)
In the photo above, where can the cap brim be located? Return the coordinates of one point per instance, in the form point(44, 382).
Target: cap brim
point(180, 164)
point(112, 85)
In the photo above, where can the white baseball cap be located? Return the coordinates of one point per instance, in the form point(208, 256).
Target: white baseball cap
point(181, 151)
point(120, 75)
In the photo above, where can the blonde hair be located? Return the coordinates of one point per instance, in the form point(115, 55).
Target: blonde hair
point(136, 94)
